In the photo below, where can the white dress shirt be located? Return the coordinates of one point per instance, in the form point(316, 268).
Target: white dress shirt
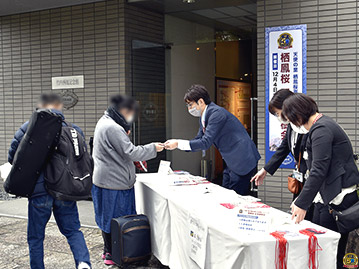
point(337, 199)
point(184, 144)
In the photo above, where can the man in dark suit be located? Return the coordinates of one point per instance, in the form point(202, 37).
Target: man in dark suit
point(220, 128)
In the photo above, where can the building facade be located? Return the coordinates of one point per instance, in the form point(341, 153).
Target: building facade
point(155, 52)
point(332, 70)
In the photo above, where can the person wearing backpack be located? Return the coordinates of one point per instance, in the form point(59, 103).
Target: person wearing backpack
point(114, 172)
point(41, 204)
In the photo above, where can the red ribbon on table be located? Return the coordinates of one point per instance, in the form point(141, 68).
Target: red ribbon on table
point(313, 247)
point(281, 250)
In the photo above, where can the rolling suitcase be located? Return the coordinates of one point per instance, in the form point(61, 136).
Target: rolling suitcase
point(33, 152)
point(131, 239)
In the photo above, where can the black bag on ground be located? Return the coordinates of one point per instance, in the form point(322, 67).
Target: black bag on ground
point(131, 239)
point(68, 174)
point(33, 152)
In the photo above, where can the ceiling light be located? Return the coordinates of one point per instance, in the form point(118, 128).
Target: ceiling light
point(189, 1)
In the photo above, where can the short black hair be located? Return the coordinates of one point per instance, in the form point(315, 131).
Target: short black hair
point(196, 92)
point(50, 98)
point(277, 100)
point(119, 101)
point(298, 108)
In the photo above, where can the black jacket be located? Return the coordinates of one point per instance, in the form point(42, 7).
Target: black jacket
point(19, 135)
point(283, 151)
point(330, 161)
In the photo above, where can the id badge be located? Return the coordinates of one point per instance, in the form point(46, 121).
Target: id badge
point(298, 175)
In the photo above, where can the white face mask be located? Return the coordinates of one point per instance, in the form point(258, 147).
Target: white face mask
point(299, 130)
point(281, 120)
point(130, 119)
point(195, 112)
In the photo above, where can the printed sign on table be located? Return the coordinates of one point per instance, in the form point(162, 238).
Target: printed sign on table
point(164, 167)
point(286, 68)
point(198, 240)
point(254, 217)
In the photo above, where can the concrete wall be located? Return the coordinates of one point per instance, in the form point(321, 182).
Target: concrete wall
point(332, 71)
point(186, 66)
point(93, 40)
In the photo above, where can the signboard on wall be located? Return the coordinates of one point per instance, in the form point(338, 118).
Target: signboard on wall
point(69, 82)
point(286, 62)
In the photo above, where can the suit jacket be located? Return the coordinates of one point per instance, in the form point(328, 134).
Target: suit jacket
point(284, 149)
point(330, 161)
point(227, 133)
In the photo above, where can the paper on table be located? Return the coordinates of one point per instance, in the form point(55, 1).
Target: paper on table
point(165, 167)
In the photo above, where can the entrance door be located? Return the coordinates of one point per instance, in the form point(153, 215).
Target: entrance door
point(148, 88)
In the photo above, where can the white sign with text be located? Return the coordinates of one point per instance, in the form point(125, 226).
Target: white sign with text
point(198, 240)
point(70, 82)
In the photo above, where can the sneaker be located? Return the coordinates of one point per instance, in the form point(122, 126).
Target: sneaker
point(83, 265)
point(108, 259)
point(103, 256)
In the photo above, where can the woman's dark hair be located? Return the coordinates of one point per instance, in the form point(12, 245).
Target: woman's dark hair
point(196, 92)
point(277, 100)
point(298, 108)
point(121, 101)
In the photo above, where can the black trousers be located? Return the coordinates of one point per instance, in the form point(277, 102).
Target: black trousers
point(107, 243)
point(239, 183)
point(321, 216)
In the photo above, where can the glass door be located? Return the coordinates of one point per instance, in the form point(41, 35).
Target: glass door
point(148, 88)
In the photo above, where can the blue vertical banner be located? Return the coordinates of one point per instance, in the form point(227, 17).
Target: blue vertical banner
point(286, 68)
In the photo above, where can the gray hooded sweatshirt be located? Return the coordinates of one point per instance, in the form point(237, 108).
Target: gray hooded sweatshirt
point(114, 154)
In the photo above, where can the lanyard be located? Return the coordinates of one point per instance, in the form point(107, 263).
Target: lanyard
point(317, 118)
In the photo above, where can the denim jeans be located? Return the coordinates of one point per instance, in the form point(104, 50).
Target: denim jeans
point(67, 219)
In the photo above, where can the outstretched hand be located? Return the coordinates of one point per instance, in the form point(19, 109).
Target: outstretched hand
point(259, 177)
point(297, 213)
point(171, 144)
point(159, 146)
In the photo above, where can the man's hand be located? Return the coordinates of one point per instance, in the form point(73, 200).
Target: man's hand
point(159, 146)
point(298, 213)
point(171, 144)
point(259, 177)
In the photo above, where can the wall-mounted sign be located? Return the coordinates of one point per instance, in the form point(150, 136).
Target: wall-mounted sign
point(69, 99)
point(286, 68)
point(150, 112)
point(70, 82)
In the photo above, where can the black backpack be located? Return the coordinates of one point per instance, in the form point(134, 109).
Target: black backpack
point(68, 175)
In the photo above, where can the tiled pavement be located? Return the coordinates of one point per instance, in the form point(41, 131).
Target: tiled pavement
point(14, 251)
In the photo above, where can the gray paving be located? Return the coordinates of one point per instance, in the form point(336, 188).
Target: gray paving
point(18, 208)
point(14, 251)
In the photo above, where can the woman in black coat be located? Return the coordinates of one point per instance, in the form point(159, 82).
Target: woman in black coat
point(333, 173)
point(293, 142)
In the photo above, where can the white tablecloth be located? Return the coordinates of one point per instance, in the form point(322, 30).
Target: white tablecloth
point(168, 208)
